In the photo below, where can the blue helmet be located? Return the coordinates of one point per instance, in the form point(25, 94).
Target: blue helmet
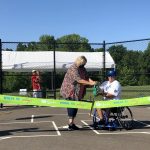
point(111, 73)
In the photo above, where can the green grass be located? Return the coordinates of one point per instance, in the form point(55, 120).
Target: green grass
point(135, 91)
point(127, 92)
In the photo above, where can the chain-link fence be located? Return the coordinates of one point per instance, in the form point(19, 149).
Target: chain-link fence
point(131, 62)
point(132, 65)
point(14, 79)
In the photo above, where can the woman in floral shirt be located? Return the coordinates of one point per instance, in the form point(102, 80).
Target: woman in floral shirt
point(71, 86)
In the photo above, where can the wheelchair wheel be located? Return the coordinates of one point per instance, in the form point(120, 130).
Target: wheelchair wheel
point(108, 124)
point(125, 117)
point(112, 119)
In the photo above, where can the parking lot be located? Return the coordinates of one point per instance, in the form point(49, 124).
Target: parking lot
point(29, 128)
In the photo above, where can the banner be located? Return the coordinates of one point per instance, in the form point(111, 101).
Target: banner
point(19, 100)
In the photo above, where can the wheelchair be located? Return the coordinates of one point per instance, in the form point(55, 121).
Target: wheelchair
point(114, 118)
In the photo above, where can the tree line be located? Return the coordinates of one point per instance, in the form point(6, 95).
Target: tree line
point(132, 66)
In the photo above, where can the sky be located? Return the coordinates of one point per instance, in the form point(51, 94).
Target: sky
point(96, 20)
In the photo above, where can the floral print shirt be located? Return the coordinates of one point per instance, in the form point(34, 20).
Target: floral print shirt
point(84, 75)
point(70, 88)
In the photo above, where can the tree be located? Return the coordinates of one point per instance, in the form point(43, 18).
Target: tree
point(15, 81)
point(146, 56)
point(143, 80)
point(74, 43)
point(126, 76)
point(21, 47)
point(117, 53)
point(128, 64)
point(46, 43)
point(99, 50)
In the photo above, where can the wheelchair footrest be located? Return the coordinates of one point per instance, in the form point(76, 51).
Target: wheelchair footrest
point(109, 126)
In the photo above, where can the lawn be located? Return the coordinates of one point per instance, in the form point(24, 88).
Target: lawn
point(127, 92)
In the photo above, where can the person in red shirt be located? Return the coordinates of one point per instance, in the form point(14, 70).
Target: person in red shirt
point(36, 87)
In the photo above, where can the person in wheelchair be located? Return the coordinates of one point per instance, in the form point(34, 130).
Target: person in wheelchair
point(110, 90)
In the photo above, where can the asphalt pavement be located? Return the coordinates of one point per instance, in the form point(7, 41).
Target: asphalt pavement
point(44, 128)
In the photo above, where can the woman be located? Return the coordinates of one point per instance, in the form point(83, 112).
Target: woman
point(71, 87)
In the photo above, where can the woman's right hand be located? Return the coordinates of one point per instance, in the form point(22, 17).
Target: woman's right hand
point(93, 82)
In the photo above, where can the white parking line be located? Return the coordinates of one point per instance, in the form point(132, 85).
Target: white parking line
point(112, 133)
point(90, 127)
point(56, 128)
point(146, 125)
point(31, 136)
point(32, 118)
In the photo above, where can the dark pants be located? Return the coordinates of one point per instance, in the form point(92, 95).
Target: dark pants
point(72, 112)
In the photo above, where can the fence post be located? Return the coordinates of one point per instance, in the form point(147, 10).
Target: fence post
point(54, 71)
point(1, 72)
point(104, 60)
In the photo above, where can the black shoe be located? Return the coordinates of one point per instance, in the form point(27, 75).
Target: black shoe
point(72, 127)
point(94, 125)
point(101, 122)
point(75, 127)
